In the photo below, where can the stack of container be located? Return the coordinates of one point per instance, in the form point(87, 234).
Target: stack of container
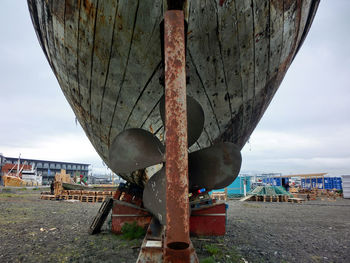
point(333, 183)
point(275, 181)
point(329, 183)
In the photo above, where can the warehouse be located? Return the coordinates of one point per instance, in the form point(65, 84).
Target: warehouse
point(48, 168)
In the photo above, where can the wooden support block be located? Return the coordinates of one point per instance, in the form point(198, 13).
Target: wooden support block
point(101, 216)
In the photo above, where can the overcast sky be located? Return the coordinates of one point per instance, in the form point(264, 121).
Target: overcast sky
point(306, 129)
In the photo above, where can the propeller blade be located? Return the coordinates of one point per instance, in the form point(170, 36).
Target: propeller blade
point(195, 118)
point(154, 196)
point(214, 167)
point(135, 149)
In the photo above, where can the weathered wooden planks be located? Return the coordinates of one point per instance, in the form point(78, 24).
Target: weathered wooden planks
point(107, 58)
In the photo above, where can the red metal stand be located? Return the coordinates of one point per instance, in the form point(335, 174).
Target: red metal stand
point(127, 209)
point(208, 220)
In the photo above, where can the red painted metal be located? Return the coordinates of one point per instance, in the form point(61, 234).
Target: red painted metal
point(124, 212)
point(177, 238)
point(209, 221)
point(117, 194)
point(127, 209)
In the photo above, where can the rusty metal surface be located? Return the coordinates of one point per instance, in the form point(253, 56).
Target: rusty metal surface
point(195, 118)
point(177, 204)
point(152, 248)
point(135, 149)
point(214, 167)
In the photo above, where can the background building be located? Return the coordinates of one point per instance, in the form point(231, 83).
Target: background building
point(48, 169)
point(2, 160)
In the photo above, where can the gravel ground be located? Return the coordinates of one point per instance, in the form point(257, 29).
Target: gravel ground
point(34, 230)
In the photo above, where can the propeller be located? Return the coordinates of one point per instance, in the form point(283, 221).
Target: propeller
point(135, 149)
point(154, 195)
point(195, 118)
point(214, 167)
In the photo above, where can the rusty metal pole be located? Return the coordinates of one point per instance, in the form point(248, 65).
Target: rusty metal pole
point(177, 238)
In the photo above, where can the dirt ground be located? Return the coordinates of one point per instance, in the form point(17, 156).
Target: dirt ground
point(34, 230)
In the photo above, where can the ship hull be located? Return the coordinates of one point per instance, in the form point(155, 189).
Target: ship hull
point(107, 58)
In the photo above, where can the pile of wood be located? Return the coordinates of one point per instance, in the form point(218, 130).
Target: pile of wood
point(219, 195)
point(59, 179)
point(13, 181)
point(270, 198)
point(305, 194)
point(86, 196)
point(314, 193)
point(79, 195)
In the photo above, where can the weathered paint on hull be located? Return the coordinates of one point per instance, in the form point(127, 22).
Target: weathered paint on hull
point(106, 55)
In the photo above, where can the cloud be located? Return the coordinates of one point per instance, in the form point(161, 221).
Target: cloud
point(272, 151)
point(307, 126)
point(332, 166)
point(70, 147)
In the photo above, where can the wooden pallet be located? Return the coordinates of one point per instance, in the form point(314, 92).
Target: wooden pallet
point(100, 199)
point(305, 196)
point(88, 199)
point(76, 197)
point(83, 196)
point(88, 193)
point(107, 193)
point(74, 192)
point(296, 200)
point(268, 198)
point(49, 197)
point(65, 192)
point(101, 216)
point(219, 195)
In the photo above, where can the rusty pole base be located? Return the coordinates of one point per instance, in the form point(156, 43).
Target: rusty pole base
point(153, 248)
point(184, 255)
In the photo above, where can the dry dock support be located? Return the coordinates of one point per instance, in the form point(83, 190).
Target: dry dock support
point(177, 235)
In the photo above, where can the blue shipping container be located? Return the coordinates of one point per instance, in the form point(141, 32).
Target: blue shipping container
point(328, 183)
point(314, 182)
point(337, 183)
point(237, 187)
point(308, 183)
